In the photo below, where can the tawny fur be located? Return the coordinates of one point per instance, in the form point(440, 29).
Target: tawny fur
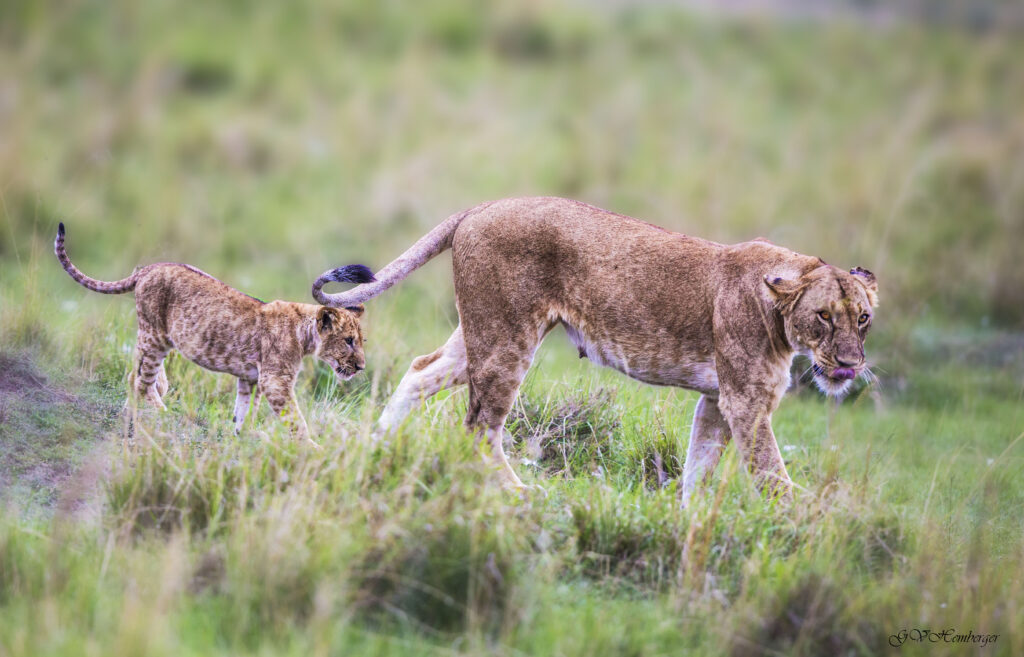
point(223, 330)
point(661, 307)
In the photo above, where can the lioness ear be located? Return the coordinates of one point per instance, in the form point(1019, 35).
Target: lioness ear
point(356, 310)
point(869, 281)
point(786, 292)
point(324, 319)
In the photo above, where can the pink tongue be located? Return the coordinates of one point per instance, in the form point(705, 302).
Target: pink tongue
point(843, 373)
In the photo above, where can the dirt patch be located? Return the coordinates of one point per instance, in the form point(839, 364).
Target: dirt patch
point(48, 432)
point(20, 378)
point(14, 379)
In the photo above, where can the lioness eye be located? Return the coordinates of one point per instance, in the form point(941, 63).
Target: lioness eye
point(825, 315)
point(864, 318)
point(349, 341)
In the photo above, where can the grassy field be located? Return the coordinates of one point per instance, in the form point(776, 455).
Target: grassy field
point(265, 144)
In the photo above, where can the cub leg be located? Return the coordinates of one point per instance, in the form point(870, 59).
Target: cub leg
point(280, 393)
point(242, 400)
point(427, 376)
point(161, 381)
point(151, 349)
point(257, 398)
point(708, 438)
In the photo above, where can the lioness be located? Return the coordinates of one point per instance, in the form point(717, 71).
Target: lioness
point(661, 307)
point(221, 329)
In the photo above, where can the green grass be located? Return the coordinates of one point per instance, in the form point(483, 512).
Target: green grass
point(265, 144)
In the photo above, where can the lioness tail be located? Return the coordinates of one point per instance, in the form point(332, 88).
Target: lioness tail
point(104, 287)
point(433, 243)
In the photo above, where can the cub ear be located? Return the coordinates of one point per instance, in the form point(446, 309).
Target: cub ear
point(325, 319)
point(869, 281)
point(356, 310)
point(785, 291)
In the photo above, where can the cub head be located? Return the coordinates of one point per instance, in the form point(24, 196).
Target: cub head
point(341, 340)
point(827, 314)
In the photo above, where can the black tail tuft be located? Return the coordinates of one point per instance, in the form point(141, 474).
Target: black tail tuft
point(352, 274)
point(60, 229)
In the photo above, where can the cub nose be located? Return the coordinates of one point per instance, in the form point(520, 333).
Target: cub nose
point(360, 367)
point(845, 362)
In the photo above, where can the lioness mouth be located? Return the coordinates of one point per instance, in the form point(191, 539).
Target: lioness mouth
point(838, 374)
point(843, 374)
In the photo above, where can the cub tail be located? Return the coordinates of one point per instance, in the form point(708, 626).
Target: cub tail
point(103, 287)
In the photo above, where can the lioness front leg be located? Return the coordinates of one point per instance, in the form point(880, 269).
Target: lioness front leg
point(750, 420)
point(708, 438)
point(280, 393)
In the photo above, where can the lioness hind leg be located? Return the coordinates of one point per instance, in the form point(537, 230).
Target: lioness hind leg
point(494, 382)
point(708, 439)
point(427, 376)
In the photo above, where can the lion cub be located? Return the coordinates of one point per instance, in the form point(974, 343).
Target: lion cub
point(219, 328)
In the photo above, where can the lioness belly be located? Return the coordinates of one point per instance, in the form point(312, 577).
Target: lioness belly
point(673, 365)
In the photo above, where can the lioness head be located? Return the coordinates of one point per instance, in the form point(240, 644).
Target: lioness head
point(827, 314)
point(341, 340)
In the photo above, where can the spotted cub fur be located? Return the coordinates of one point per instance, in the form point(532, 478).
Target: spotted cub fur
point(219, 328)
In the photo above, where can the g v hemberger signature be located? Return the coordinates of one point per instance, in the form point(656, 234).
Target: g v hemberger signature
point(925, 635)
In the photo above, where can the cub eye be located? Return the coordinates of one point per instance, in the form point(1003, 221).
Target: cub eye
point(349, 341)
point(825, 315)
point(864, 318)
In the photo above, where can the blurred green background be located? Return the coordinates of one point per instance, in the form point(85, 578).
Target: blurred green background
point(267, 142)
